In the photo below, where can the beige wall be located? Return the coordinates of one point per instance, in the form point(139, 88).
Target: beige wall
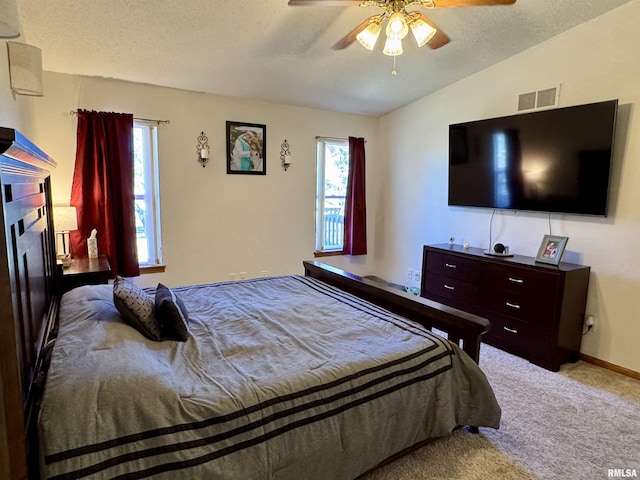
point(593, 62)
point(214, 224)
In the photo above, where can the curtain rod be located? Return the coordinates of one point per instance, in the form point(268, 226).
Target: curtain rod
point(75, 112)
point(333, 139)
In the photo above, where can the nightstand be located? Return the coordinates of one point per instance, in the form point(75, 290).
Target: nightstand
point(85, 271)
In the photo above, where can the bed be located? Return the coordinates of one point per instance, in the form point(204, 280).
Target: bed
point(315, 376)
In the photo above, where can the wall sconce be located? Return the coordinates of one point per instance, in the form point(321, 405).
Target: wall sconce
point(285, 155)
point(202, 149)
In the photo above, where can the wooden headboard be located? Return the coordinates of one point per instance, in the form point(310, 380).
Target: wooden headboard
point(28, 300)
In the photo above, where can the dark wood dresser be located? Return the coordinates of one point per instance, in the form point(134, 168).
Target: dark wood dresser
point(536, 310)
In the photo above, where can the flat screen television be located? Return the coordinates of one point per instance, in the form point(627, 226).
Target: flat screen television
point(555, 160)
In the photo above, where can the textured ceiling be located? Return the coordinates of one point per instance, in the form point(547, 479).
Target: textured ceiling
point(265, 49)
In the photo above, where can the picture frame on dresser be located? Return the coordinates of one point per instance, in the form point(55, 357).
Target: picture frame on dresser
point(551, 249)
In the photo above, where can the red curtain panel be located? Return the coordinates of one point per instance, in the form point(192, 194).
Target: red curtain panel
point(102, 189)
point(355, 216)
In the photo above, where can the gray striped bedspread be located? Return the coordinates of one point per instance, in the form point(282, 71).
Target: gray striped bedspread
point(282, 378)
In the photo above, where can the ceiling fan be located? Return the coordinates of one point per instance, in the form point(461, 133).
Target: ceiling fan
point(400, 21)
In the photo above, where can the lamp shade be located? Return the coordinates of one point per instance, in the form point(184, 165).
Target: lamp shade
point(25, 68)
point(9, 23)
point(65, 219)
point(422, 31)
point(369, 36)
point(393, 47)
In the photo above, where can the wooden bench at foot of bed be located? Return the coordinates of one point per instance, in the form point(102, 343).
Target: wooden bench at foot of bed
point(461, 327)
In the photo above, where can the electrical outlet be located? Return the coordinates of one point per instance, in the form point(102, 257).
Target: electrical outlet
point(589, 322)
point(263, 273)
point(232, 276)
point(242, 275)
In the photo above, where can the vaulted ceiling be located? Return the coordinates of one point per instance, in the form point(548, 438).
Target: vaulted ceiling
point(266, 49)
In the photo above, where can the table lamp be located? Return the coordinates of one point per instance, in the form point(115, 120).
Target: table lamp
point(65, 220)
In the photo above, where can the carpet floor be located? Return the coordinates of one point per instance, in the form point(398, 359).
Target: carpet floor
point(575, 424)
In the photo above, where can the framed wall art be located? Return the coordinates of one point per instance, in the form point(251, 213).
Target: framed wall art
point(551, 249)
point(246, 148)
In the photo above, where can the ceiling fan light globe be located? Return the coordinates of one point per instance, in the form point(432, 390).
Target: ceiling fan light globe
point(422, 32)
point(369, 36)
point(393, 47)
point(397, 26)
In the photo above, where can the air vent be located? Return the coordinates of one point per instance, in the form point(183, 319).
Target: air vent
point(545, 98)
point(527, 101)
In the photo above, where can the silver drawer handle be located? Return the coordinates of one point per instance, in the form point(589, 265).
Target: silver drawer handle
point(450, 265)
point(510, 330)
point(449, 287)
point(513, 305)
point(516, 280)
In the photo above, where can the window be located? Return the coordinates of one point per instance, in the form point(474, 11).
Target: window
point(333, 170)
point(147, 199)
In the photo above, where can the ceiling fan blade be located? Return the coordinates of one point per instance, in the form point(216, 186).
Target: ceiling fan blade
point(350, 37)
point(325, 3)
point(440, 39)
point(470, 3)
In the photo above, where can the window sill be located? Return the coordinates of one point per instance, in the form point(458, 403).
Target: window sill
point(147, 269)
point(334, 253)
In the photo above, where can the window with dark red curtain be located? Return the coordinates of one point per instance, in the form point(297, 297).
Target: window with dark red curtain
point(355, 209)
point(102, 189)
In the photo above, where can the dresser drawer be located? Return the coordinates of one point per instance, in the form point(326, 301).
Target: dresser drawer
point(518, 337)
point(541, 284)
point(519, 305)
point(454, 267)
point(520, 293)
point(451, 288)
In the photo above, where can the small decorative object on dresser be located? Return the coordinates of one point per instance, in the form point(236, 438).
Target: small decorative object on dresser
point(551, 249)
point(65, 260)
point(499, 250)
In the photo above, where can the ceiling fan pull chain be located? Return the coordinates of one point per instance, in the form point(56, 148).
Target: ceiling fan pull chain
point(393, 72)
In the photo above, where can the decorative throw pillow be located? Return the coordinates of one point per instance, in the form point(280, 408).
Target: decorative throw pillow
point(136, 307)
point(172, 314)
